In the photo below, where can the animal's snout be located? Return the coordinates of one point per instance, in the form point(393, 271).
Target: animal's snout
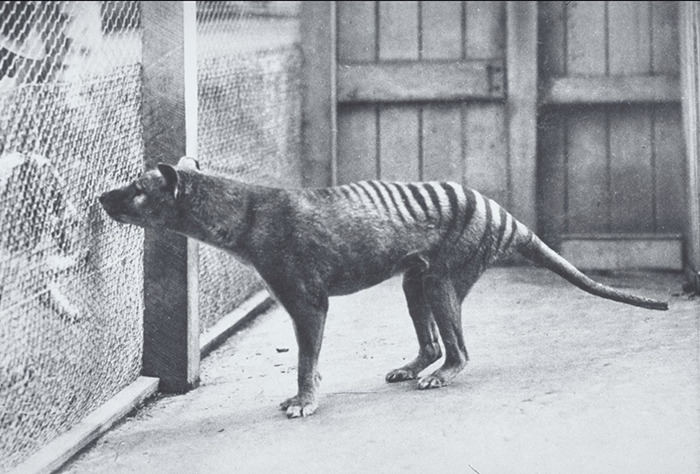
point(110, 201)
point(105, 200)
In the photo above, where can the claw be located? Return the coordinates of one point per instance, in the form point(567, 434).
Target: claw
point(400, 375)
point(297, 409)
point(431, 381)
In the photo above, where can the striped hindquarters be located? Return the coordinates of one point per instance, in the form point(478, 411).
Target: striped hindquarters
point(463, 217)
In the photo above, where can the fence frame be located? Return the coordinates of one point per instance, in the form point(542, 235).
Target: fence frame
point(690, 76)
point(170, 320)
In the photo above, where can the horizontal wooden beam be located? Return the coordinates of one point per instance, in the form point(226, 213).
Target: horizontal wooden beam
point(412, 81)
point(611, 90)
point(235, 321)
point(623, 251)
point(57, 452)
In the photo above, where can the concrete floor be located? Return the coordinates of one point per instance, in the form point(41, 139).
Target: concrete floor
point(559, 382)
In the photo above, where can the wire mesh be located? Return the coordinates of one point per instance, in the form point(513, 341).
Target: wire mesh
point(249, 119)
point(70, 280)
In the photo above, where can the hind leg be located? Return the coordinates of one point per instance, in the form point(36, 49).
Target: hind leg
point(445, 302)
point(424, 324)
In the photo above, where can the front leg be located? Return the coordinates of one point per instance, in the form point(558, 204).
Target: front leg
point(309, 316)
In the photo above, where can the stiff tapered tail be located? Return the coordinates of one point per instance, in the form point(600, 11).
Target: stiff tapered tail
point(537, 251)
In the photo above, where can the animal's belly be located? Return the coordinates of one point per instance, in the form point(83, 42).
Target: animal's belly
point(374, 268)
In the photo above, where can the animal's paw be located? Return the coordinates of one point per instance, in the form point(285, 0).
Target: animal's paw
point(432, 381)
point(401, 375)
point(297, 407)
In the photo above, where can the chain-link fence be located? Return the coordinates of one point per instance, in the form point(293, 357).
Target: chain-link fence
point(249, 119)
point(71, 280)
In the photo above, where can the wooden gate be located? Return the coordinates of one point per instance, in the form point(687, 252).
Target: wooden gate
point(419, 92)
point(461, 90)
point(611, 146)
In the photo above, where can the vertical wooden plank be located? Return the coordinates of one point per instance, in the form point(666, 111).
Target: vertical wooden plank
point(441, 134)
point(318, 42)
point(398, 30)
point(632, 192)
point(441, 30)
point(669, 168)
point(629, 47)
point(552, 39)
point(399, 132)
point(551, 177)
point(399, 143)
point(486, 151)
point(356, 32)
point(521, 108)
point(171, 323)
point(690, 80)
point(484, 124)
point(357, 143)
point(485, 30)
point(586, 38)
point(357, 125)
point(665, 48)
point(442, 143)
point(587, 172)
point(631, 184)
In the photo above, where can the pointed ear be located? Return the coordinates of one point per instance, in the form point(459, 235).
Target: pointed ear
point(171, 178)
point(187, 162)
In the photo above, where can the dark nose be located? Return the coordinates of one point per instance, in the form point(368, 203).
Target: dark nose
point(107, 200)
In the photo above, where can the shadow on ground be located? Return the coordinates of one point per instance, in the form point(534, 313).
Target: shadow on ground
point(559, 381)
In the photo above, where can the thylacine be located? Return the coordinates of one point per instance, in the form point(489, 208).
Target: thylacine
point(310, 244)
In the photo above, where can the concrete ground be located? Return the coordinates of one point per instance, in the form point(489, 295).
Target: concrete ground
point(559, 382)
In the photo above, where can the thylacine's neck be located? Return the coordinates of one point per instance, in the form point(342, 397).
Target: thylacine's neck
point(218, 211)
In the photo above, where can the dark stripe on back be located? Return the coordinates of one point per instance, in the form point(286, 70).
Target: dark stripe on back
point(435, 198)
point(419, 198)
point(323, 192)
point(501, 230)
point(368, 194)
point(381, 196)
point(454, 206)
point(469, 211)
point(486, 236)
point(345, 191)
point(354, 191)
point(512, 234)
point(393, 200)
point(406, 202)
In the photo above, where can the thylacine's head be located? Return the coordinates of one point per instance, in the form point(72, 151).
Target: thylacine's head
point(151, 201)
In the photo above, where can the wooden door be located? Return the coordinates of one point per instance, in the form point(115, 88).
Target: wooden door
point(419, 93)
point(611, 183)
point(421, 89)
point(566, 113)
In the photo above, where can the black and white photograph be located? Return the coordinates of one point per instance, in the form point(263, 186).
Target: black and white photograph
point(311, 237)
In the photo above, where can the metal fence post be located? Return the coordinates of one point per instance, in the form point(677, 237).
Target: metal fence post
point(171, 321)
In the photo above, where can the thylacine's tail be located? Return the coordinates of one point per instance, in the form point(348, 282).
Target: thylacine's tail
point(537, 251)
point(501, 233)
